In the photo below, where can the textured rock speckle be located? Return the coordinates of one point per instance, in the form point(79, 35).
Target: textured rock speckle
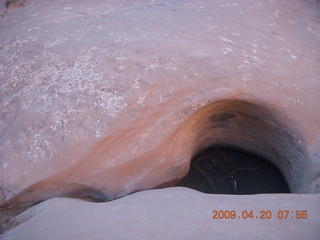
point(105, 87)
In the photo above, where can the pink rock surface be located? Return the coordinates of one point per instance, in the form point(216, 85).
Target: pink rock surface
point(113, 94)
point(131, 73)
point(172, 213)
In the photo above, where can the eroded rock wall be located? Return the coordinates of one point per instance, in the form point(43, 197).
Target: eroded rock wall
point(95, 92)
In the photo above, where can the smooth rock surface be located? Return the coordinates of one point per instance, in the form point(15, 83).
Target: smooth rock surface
point(172, 213)
point(122, 77)
point(116, 96)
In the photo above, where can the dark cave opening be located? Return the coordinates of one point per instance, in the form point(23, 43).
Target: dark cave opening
point(228, 170)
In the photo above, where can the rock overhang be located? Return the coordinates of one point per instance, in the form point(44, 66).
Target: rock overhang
point(120, 102)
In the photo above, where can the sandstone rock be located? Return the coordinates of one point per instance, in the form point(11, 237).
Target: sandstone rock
point(172, 213)
point(118, 95)
point(130, 74)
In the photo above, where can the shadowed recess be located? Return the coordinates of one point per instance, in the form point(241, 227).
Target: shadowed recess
point(225, 170)
point(232, 146)
point(248, 130)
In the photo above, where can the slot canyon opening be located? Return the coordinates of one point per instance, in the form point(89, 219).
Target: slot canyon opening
point(228, 170)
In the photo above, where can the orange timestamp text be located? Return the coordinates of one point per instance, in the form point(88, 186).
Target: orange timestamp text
point(262, 214)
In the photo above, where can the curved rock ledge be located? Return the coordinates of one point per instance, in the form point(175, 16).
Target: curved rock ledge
point(172, 213)
point(101, 99)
